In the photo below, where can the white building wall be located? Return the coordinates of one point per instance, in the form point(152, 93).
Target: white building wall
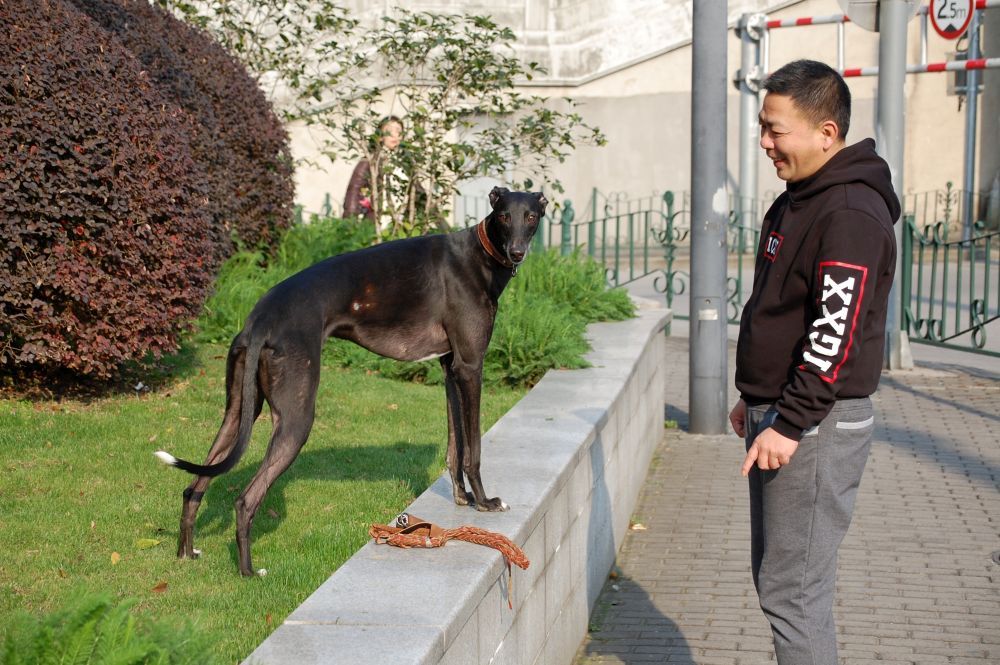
point(628, 63)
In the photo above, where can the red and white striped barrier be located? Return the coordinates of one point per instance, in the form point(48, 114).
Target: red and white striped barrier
point(842, 18)
point(951, 66)
point(808, 20)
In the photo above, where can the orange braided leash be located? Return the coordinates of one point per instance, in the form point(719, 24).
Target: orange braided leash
point(408, 531)
point(384, 534)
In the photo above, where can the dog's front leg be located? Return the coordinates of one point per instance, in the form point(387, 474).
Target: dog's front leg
point(456, 446)
point(468, 383)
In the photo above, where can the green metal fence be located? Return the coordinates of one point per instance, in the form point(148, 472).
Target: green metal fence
point(950, 290)
point(950, 287)
point(649, 237)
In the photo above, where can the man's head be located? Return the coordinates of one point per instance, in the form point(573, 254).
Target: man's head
point(805, 118)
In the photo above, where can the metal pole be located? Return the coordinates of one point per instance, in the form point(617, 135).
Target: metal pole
point(971, 113)
point(841, 48)
point(923, 38)
point(749, 85)
point(889, 135)
point(709, 214)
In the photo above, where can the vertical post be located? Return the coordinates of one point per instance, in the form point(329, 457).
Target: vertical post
point(890, 134)
point(566, 241)
point(592, 226)
point(971, 114)
point(709, 214)
point(749, 85)
point(840, 47)
point(924, 18)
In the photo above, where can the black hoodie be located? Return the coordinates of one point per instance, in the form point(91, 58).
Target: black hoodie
point(813, 330)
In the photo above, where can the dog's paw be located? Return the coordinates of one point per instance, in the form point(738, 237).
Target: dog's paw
point(494, 505)
point(464, 498)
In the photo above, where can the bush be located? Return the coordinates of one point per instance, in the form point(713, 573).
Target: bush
point(247, 275)
point(540, 324)
point(237, 140)
point(104, 250)
point(94, 631)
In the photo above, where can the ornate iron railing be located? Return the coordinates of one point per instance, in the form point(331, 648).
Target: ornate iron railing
point(950, 287)
point(950, 290)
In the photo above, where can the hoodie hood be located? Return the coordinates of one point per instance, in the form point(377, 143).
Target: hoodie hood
point(858, 163)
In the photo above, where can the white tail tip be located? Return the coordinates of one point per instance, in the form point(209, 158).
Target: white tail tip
point(166, 457)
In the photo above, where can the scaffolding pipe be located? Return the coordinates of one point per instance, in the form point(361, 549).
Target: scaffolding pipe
point(971, 115)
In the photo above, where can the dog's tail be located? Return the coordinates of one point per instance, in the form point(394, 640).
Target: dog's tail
point(248, 405)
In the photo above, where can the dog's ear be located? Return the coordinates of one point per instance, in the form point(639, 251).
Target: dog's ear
point(542, 201)
point(495, 195)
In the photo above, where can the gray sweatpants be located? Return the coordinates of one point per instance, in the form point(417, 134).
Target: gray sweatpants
point(799, 515)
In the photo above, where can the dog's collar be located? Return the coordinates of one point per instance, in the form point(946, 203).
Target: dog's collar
point(484, 240)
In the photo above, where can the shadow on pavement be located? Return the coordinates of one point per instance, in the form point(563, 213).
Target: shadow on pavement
point(627, 627)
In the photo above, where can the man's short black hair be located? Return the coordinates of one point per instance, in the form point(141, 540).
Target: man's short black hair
point(816, 89)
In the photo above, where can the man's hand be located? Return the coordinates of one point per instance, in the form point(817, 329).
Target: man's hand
point(770, 450)
point(738, 418)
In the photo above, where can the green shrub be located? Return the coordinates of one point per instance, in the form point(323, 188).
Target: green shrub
point(540, 324)
point(94, 631)
point(246, 276)
point(574, 281)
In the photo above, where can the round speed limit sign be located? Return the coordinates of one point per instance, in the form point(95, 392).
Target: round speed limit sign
point(950, 18)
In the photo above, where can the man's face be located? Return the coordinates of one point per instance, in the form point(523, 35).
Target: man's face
point(797, 146)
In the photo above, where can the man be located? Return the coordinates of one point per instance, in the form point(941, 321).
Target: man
point(810, 351)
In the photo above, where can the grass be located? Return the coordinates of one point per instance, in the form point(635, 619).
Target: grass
point(84, 507)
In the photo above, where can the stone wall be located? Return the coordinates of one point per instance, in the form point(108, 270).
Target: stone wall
point(569, 459)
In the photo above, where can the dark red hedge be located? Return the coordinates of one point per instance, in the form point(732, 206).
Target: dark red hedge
point(238, 141)
point(105, 250)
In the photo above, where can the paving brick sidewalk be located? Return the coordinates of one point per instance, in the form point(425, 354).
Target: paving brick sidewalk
point(917, 583)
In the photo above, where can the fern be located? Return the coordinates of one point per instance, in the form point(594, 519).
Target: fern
point(94, 631)
point(540, 324)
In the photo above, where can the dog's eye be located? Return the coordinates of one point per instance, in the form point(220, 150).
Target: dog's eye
point(532, 218)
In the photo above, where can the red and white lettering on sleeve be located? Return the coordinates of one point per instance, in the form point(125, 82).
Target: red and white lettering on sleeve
point(832, 335)
point(851, 256)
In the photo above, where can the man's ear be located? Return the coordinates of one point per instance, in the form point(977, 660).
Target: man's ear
point(831, 133)
point(542, 201)
point(495, 195)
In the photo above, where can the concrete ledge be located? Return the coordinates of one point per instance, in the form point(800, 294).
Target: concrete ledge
point(570, 459)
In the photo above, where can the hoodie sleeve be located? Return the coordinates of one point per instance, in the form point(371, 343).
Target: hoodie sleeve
point(854, 252)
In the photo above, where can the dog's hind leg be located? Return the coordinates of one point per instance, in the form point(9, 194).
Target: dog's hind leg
point(289, 383)
point(223, 443)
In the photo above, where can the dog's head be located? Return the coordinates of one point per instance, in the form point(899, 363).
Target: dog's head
point(516, 215)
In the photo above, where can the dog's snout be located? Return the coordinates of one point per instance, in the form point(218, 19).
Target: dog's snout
point(517, 255)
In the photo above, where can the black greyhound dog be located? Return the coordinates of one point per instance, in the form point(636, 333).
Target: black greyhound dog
point(413, 299)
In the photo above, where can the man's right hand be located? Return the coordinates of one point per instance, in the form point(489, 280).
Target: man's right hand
point(738, 418)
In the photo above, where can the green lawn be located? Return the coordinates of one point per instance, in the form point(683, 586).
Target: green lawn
point(84, 505)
